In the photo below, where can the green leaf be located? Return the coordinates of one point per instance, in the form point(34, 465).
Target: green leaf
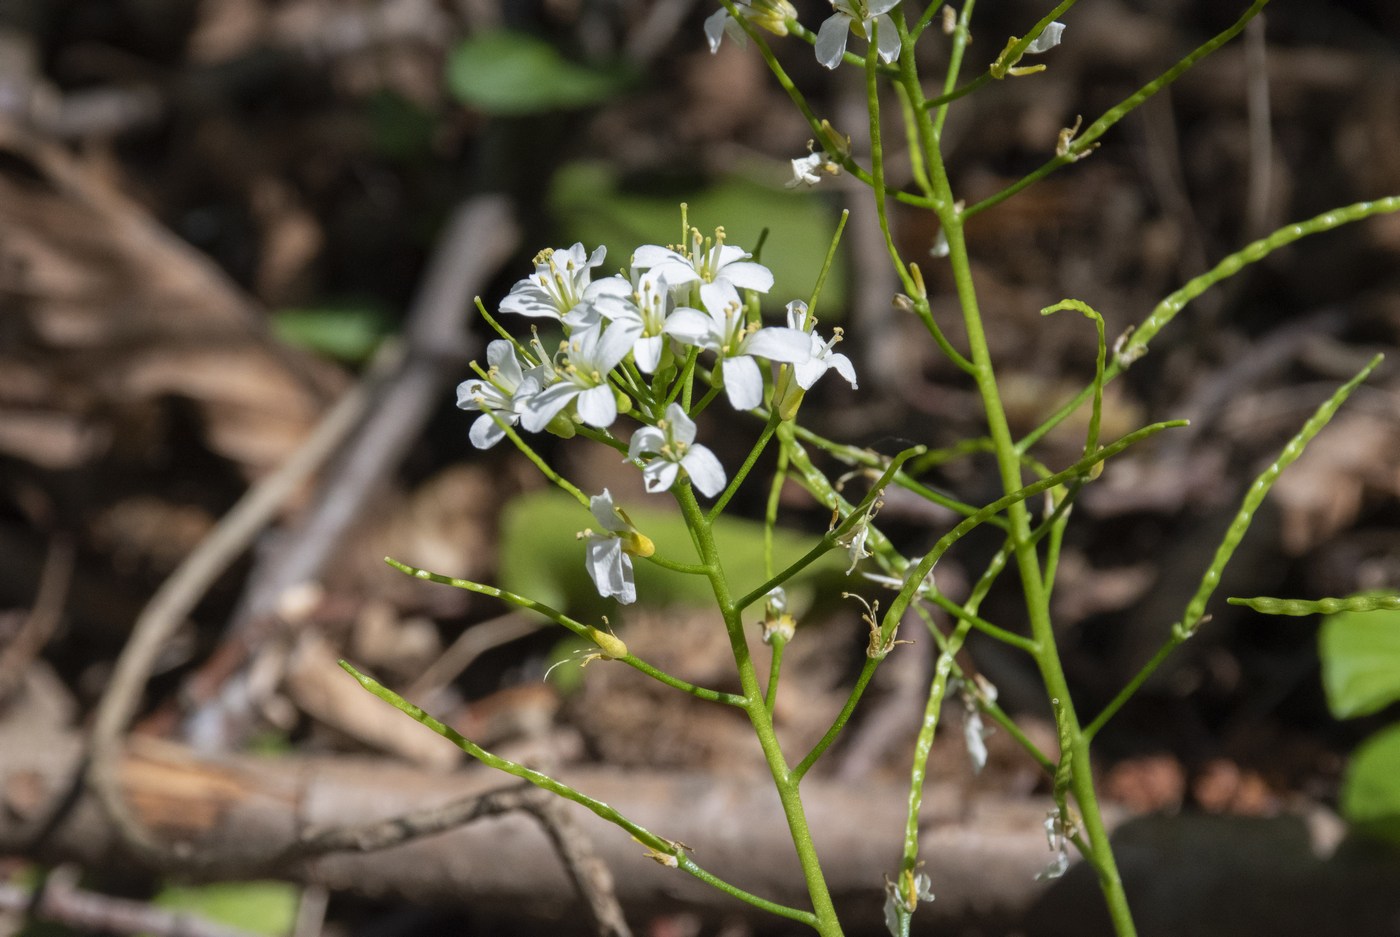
point(540, 557)
point(511, 73)
point(347, 333)
point(1371, 795)
point(1360, 661)
point(594, 206)
point(258, 907)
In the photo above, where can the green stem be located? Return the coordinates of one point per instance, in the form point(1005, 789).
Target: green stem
point(825, 920)
point(664, 850)
point(1024, 550)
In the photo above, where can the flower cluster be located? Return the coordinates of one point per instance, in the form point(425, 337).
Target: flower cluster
point(629, 343)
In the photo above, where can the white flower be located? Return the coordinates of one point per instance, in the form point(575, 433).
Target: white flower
point(587, 358)
point(671, 447)
point(810, 169)
point(504, 392)
point(722, 328)
point(772, 15)
point(822, 358)
point(556, 290)
point(608, 555)
point(857, 16)
point(644, 302)
point(1055, 834)
point(704, 261)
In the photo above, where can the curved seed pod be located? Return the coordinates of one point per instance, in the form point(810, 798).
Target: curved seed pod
point(1376, 601)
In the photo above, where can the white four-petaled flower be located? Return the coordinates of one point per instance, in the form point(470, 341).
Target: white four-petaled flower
point(723, 329)
point(668, 447)
point(859, 17)
point(704, 260)
point(504, 392)
point(821, 357)
point(556, 289)
point(587, 358)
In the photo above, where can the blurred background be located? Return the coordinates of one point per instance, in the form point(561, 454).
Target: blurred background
point(238, 235)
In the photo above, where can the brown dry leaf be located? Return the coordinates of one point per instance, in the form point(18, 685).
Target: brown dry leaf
point(321, 689)
point(118, 313)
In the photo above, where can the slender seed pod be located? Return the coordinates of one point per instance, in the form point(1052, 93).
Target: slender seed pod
point(1371, 602)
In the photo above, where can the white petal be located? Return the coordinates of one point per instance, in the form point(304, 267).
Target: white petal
point(647, 352)
point(614, 344)
point(679, 426)
point(831, 39)
point(647, 439)
point(748, 275)
point(779, 344)
point(692, 327)
point(705, 472)
point(1049, 38)
point(887, 39)
point(714, 27)
point(597, 406)
point(543, 406)
point(796, 314)
point(611, 569)
point(605, 512)
point(660, 475)
point(485, 432)
point(877, 7)
point(843, 367)
point(743, 383)
point(720, 298)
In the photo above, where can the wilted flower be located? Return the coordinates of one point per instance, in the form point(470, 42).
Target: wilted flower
point(609, 553)
point(859, 17)
point(772, 15)
point(810, 169)
point(668, 447)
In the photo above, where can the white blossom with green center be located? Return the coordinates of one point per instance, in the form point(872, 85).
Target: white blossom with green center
point(668, 447)
point(704, 260)
point(723, 328)
point(822, 357)
point(582, 365)
point(644, 301)
point(504, 392)
point(556, 289)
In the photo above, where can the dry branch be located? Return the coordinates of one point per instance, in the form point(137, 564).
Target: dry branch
point(243, 817)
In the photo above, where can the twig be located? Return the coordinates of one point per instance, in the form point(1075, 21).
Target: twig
point(178, 595)
point(477, 240)
point(588, 872)
point(471, 644)
point(43, 618)
point(59, 900)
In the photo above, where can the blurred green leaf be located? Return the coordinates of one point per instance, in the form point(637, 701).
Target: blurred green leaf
point(347, 333)
point(541, 558)
point(593, 206)
point(1360, 661)
point(1371, 795)
point(511, 73)
point(259, 907)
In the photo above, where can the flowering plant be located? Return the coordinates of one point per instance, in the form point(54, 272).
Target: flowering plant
point(641, 355)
